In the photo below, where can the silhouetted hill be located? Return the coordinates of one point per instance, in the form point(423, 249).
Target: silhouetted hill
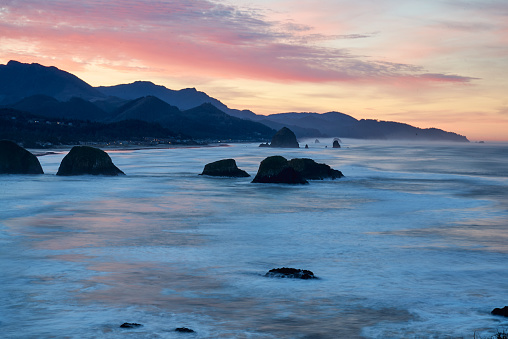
point(75, 108)
point(19, 80)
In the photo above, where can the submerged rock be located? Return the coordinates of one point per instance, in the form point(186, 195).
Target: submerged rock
point(276, 170)
point(500, 311)
point(285, 138)
point(336, 144)
point(15, 159)
point(293, 273)
point(224, 168)
point(184, 330)
point(264, 145)
point(87, 160)
point(130, 325)
point(311, 170)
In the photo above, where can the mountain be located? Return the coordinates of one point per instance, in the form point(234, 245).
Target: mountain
point(19, 80)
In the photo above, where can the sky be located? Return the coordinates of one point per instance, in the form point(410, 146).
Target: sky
point(432, 63)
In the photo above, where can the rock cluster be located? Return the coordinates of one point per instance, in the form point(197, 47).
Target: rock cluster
point(276, 169)
point(87, 160)
point(224, 168)
point(287, 272)
point(15, 159)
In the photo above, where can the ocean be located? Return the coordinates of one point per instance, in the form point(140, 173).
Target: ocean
point(411, 243)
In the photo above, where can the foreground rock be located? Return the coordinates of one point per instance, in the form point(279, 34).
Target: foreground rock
point(500, 311)
point(285, 138)
point(184, 330)
point(293, 273)
point(311, 170)
point(130, 325)
point(15, 159)
point(87, 160)
point(224, 168)
point(276, 170)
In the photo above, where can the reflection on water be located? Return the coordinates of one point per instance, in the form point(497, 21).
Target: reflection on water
point(410, 243)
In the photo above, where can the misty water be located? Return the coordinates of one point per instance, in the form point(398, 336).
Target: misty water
point(413, 242)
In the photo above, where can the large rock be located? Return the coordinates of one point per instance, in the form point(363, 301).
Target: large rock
point(336, 144)
point(276, 170)
point(284, 138)
point(15, 159)
point(288, 272)
point(87, 160)
point(224, 168)
point(311, 170)
point(500, 311)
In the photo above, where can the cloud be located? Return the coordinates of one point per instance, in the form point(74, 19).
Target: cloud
point(196, 37)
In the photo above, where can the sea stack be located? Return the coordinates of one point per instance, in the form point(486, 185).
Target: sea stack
point(285, 138)
point(14, 159)
point(336, 144)
point(224, 168)
point(276, 170)
point(83, 160)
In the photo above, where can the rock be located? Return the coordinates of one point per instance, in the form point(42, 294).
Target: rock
point(184, 330)
point(336, 144)
point(500, 311)
point(130, 325)
point(311, 170)
point(276, 169)
point(87, 160)
point(316, 141)
point(287, 272)
point(224, 168)
point(306, 146)
point(284, 138)
point(15, 159)
point(264, 145)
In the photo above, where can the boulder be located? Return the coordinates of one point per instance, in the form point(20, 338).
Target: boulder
point(224, 168)
point(500, 311)
point(184, 330)
point(336, 144)
point(284, 138)
point(311, 170)
point(306, 146)
point(287, 272)
point(264, 145)
point(316, 141)
point(15, 159)
point(130, 325)
point(276, 169)
point(87, 160)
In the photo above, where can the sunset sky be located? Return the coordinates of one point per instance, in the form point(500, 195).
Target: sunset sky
point(433, 63)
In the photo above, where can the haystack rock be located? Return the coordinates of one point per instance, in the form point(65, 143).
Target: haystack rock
point(15, 159)
point(311, 170)
point(224, 168)
point(87, 160)
point(336, 144)
point(284, 138)
point(276, 170)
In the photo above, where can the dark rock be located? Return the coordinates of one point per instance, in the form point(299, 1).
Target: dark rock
point(500, 311)
point(306, 146)
point(15, 159)
point(87, 160)
point(130, 325)
point(336, 144)
point(264, 145)
point(276, 169)
point(287, 272)
point(184, 330)
point(311, 170)
point(224, 168)
point(284, 138)
point(316, 141)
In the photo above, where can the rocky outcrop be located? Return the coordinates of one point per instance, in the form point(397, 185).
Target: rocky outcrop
point(224, 168)
point(293, 273)
point(184, 330)
point(276, 170)
point(284, 138)
point(15, 159)
point(130, 325)
point(336, 144)
point(500, 311)
point(311, 170)
point(87, 160)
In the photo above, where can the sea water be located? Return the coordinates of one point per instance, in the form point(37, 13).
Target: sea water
point(411, 243)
